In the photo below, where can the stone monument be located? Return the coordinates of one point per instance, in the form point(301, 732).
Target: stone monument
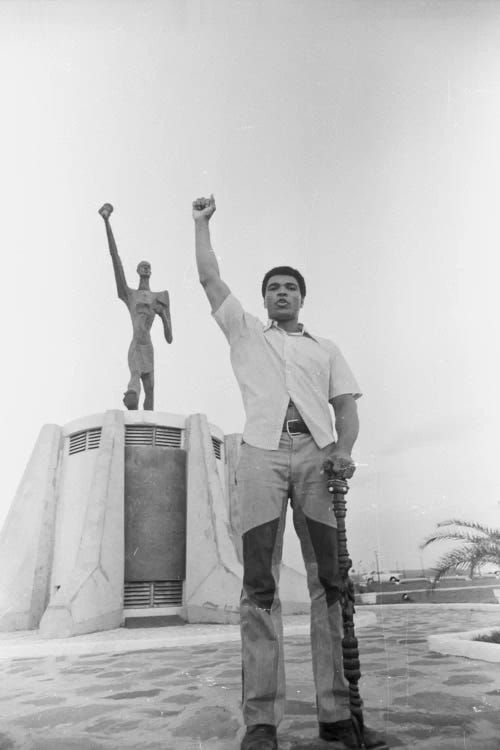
point(143, 305)
point(128, 516)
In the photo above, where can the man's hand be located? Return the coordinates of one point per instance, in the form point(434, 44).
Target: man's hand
point(340, 463)
point(203, 208)
point(106, 211)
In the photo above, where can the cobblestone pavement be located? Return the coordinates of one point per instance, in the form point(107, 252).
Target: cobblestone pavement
point(188, 699)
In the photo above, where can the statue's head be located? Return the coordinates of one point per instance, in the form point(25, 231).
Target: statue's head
point(144, 269)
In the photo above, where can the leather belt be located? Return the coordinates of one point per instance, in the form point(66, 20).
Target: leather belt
point(296, 427)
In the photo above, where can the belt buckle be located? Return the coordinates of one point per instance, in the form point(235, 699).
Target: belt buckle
point(288, 421)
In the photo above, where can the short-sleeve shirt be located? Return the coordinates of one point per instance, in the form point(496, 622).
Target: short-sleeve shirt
point(273, 367)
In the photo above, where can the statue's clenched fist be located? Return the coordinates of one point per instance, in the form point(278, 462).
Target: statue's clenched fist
point(203, 208)
point(106, 210)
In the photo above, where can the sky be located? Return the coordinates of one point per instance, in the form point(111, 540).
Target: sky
point(357, 141)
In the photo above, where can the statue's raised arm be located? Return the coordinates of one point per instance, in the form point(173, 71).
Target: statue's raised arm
point(121, 284)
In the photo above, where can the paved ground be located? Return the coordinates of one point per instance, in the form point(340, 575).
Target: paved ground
point(187, 697)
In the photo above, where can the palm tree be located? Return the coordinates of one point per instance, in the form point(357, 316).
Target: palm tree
point(480, 545)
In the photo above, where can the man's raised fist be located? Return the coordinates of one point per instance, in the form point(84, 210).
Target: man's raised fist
point(203, 208)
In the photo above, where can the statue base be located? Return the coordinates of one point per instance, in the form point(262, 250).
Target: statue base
point(117, 513)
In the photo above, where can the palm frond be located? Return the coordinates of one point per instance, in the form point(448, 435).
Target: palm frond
point(466, 558)
point(479, 545)
point(468, 532)
point(464, 536)
point(495, 533)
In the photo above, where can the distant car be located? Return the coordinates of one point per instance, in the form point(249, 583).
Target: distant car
point(382, 576)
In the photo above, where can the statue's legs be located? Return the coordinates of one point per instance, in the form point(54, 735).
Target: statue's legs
point(148, 381)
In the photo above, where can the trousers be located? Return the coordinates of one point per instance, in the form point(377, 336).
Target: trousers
point(266, 481)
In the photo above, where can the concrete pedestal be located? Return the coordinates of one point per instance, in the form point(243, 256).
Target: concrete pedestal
point(127, 512)
point(115, 500)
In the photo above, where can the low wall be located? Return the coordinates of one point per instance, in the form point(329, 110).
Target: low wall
point(465, 595)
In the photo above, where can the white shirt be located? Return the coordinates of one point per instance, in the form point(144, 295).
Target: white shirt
point(272, 367)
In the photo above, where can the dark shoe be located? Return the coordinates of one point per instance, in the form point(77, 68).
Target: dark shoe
point(346, 732)
point(373, 740)
point(260, 737)
point(339, 731)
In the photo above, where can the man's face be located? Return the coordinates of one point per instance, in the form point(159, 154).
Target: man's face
point(144, 269)
point(283, 299)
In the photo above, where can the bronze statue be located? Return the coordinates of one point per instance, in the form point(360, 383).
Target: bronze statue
point(143, 305)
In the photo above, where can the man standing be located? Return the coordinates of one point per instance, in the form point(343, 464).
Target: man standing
point(143, 305)
point(287, 377)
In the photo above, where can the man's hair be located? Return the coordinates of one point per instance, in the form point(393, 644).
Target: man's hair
point(285, 271)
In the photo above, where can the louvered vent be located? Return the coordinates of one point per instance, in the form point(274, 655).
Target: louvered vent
point(139, 434)
point(144, 594)
point(168, 437)
point(93, 438)
point(148, 434)
point(78, 442)
point(84, 440)
point(217, 444)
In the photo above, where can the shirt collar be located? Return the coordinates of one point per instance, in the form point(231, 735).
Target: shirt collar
point(273, 324)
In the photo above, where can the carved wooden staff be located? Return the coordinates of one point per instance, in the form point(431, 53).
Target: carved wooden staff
point(367, 738)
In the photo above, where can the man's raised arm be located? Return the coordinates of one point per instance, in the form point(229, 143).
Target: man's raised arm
point(121, 284)
point(208, 268)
